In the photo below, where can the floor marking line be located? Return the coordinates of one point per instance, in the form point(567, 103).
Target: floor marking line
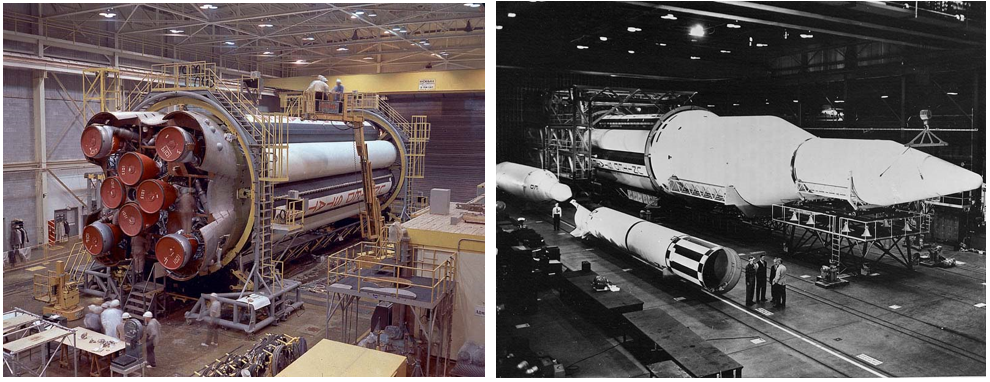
point(839, 356)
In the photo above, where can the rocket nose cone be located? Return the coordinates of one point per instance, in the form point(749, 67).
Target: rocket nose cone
point(945, 178)
point(560, 192)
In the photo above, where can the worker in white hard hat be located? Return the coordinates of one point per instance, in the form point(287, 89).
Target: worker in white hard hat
point(213, 330)
point(111, 318)
point(320, 90)
point(92, 319)
point(338, 96)
point(120, 328)
point(152, 332)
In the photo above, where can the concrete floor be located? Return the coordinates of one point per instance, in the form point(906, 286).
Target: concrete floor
point(935, 331)
point(180, 352)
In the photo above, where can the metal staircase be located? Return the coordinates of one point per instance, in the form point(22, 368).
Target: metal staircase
point(269, 147)
point(147, 295)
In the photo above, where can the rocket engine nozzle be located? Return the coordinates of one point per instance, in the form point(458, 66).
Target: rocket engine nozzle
point(134, 168)
point(175, 250)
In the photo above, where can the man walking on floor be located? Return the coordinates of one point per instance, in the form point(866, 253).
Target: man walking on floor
point(556, 216)
point(761, 279)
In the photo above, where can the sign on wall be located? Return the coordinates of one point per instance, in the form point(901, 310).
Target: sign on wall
point(428, 84)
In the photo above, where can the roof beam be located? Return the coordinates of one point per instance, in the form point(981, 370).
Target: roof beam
point(775, 23)
point(792, 12)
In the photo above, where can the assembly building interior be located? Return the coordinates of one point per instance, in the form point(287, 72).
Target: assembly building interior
point(741, 189)
point(262, 189)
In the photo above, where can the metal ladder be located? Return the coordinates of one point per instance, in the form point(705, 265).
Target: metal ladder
point(269, 149)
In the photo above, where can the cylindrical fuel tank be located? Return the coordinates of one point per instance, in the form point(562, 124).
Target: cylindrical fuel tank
point(708, 265)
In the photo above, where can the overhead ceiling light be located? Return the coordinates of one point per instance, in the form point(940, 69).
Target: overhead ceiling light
point(267, 52)
point(372, 14)
point(952, 93)
point(265, 25)
point(711, 105)
point(108, 14)
point(735, 104)
point(468, 28)
point(884, 97)
point(840, 101)
point(228, 43)
point(733, 26)
point(695, 58)
point(512, 14)
point(443, 53)
point(697, 31)
point(669, 16)
point(472, 5)
point(661, 44)
point(309, 38)
point(751, 41)
point(725, 51)
point(175, 31)
point(359, 13)
point(341, 49)
point(396, 29)
point(795, 101)
point(301, 62)
point(806, 35)
point(603, 38)
point(761, 45)
point(355, 35)
point(632, 52)
point(634, 29)
point(369, 58)
point(207, 6)
point(498, 27)
point(353, 16)
point(582, 47)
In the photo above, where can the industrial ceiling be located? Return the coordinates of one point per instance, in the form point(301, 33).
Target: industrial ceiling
point(729, 39)
point(285, 38)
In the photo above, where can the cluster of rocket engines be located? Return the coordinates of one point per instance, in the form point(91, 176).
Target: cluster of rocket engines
point(177, 186)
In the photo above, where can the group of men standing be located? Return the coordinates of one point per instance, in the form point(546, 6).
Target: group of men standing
point(109, 319)
point(757, 275)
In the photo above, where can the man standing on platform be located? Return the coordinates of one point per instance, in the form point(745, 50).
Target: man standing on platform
point(761, 279)
point(556, 216)
point(750, 280)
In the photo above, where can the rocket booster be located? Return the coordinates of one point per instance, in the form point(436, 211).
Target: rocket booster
point(758, 161)
point(530, 183)
point(705, 264)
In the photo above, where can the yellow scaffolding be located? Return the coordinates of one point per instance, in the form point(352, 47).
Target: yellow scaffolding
point(101, 91)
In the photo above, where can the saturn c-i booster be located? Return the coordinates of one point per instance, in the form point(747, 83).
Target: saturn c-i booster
point(178, 185)
point(753, 162)
point(707, 265)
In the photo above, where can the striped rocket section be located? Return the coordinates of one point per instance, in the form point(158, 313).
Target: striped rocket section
point(686, 260)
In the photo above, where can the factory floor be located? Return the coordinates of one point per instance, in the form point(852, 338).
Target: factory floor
point(179, 353)
point(926, 322)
